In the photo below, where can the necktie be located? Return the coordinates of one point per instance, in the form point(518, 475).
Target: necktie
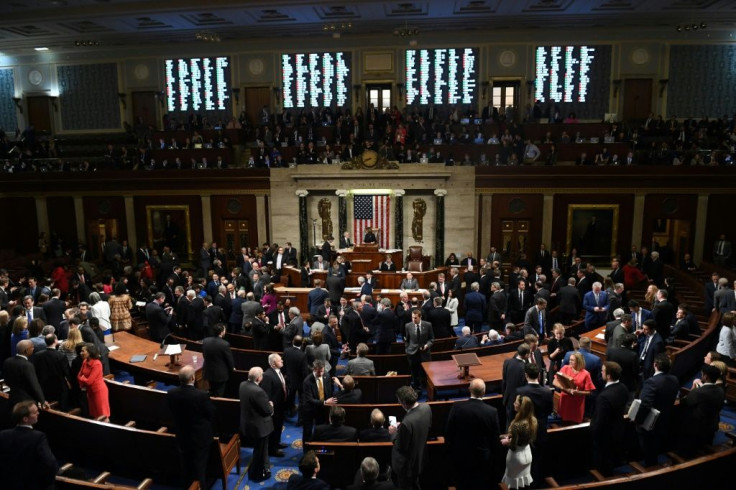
point(596, 299)
point(418, 333)
point(281, 318)
point(554, 263)
point(521, 298)
point(541, 325)
point(320, 389)
point(720, 248)
point(283, 382)
point(646, 347)
point(29, 314)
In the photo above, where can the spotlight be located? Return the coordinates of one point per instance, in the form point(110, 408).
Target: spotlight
point(678, 28)
point(703, 25)
point(695, 27)
point(687, 28)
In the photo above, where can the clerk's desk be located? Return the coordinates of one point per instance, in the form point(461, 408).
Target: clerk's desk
point(298, 296)
point(385, 280)
point(127, 345)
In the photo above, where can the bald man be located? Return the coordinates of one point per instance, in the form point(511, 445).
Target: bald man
point(20, 375)
point(256, 422)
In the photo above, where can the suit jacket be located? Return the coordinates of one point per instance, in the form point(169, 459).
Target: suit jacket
point(52, 370)
point(472, 432)
point(315, 299)
point(407, 455)
point(310, 392)
point(542, 397)
point(54, 311)
point(37, 312)
point(637, 320)
point(475, 307)
point(255, 411)
point(27, 462)
point(663, 312)
point(211, 316)
point(659, 391)
point(386, 325)
point(710, 290)
point(335, 433)
point(595, 319)
point(218, 359)
point(531, 322)
point(629, 361)
point(517, 309)
point(607, 422)
point(345, 242)
point(295, 365)
point(193, 413)
point(513, 377)
point(569, 300)
point(276, 392)
point(374, 434)
point(158, 321)
point(725, 300)
point(414, 342)
point(702, 411)
point(441, 320)
point(468, 342)
point(20, 375)
point(410, 284)
point(386, 267)
point(497, 306)
point(300, 482)
point(361, 366)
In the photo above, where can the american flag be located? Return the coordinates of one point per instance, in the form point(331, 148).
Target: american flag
point(373, 212)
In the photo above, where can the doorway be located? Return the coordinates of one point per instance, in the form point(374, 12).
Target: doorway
point(234, 235)
point(99, 230)
point(515, 239)
point(254, 98)
point(380, 95)
point(144, 109)
point(505, 93)
point(39, 113)
point(637, 99)
point(671, 238)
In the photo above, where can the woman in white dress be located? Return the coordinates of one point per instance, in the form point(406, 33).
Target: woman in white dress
point(522, 432)
point(100, 310)
point(451, 305)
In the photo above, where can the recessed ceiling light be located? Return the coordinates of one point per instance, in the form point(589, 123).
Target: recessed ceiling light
point(41, 49)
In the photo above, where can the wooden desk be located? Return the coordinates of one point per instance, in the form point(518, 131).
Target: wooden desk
point(129, 345)
point(442, 375)
point(385, 280)
point(598, 345)
point(362, 252)
point(298, 296)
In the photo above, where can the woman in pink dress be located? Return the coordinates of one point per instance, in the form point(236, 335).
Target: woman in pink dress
point(572, 400)
point(90, 379)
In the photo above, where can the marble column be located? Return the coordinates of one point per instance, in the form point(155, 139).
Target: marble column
point(701, 217)
point(42, 217)
point(207, 218)
point(130, 221)
point(303, 225)
point(637, 223)
point(399, 218)
point(79, 213)
point(439, 249)
point(342, 213)
point(547, 213)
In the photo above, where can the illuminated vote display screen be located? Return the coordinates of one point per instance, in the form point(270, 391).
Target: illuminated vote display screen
point(574, 77)
point(198, 84)
point(441, 76)
point(316, 79)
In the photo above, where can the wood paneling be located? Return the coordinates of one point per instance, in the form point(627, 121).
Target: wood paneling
point(516, 207)
point(195, 216)
point(559, 221)
point(720, 220)
point(20, 229)
point(668, 206)
point(232, 207)
point(62, 218)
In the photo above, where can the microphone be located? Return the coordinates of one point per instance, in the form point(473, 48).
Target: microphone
point(163, 342)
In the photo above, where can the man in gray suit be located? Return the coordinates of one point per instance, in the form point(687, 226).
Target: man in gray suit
point(410, 439)
point(251, 310)
point(361, 365)
point(256, 422)
point(724, 298)
point(419, 339)
point(294, 327)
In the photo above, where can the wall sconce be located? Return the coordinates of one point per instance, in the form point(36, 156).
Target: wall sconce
point(17, 101)
point(122, 97)
point(236, 95)
point(616, 87)
point(55, 103)
point(663, 86)
point(485, 85)
point(400, 89)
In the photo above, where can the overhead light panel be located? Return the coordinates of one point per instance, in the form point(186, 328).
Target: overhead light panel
point(41, 49)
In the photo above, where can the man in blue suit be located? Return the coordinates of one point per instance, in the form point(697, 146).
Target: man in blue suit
point(638, 315)
point(650, 344)
point(659, 391)
point(595, 303)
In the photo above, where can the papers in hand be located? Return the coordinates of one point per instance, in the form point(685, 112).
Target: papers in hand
point(600, 336)
point(172, 349)
point(140, 303)
point(649, 421)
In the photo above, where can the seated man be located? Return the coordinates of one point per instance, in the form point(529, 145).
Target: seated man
point(377, 432)
point(361, 365)
point(369, 237)
point(369, 477)
point(309, 467)
point(492, 338)
point(335, 431)
point(466, 340)
point(348, 392)
point(409, 282)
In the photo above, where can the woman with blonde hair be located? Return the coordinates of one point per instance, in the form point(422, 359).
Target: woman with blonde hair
point(651, 295)
point(522, 433)
point(69, 346)
point(572, 399)
point(20, 332)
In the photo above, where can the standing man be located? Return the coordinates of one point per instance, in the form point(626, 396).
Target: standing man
point(256, 423)
point(159, 318)
point(410, 439)
point(569, 302)
point(651, 344)
point(472, 435)
point(542, 398)
point(519, 302)
point(193, 413)
point(26, 460)
point(274, 384)
point(721, 250)
point(317, 392)
point(595, 303)
point(535, 320)
point(295, 361)
point(497, 307)
point(513, 377)
point(702, 411)
point(419, 338)
point(20, 375)
point(607, 422)
point(218, 361)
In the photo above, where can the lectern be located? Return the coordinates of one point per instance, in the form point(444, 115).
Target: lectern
point(464, 361)
point(173, 351)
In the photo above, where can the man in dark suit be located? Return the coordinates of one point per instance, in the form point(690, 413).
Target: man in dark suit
point(26, 460)
point(218, 361)
point(32, 312)
point(52, 370)
point(54, 309)
point(497, 306)
point(386, 326)
point(418, 339)
point(256, 422)
point(159, 319)
point(659, 391)
point(723, 298)
point(367, 477)
point(617, 273)
point(20, 376)
point(472, 433)
point(542, 398)
point(663, 312)
point(195, 319)
point(410, 439)
point(193, 413)
point(535, 320)
point(513, 377)
point(440, 318)
point(627, 357)
point(336, 430)
point(595, 304)
point(519, 302)
point(317, 390)
point(345, 241)
point(544, 259)
point(639, 315)
point(274, 384)
point(295, 364)
point(212, 315)
point(377, 432)
point(326, 250)
point(607, 422)
point(701, 413)
point(309, 468)
point(569, 297)
point(710, 290)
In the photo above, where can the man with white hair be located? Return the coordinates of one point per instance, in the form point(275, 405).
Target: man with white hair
point(610, 326)
point(595, 304)
point(294, 327)
point(256, 422)
point(274, 384)
point(466, 341)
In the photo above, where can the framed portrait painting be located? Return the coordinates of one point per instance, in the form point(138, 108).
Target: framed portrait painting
point(592, 229)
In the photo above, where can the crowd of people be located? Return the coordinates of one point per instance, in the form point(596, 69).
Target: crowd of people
point(55, 335)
